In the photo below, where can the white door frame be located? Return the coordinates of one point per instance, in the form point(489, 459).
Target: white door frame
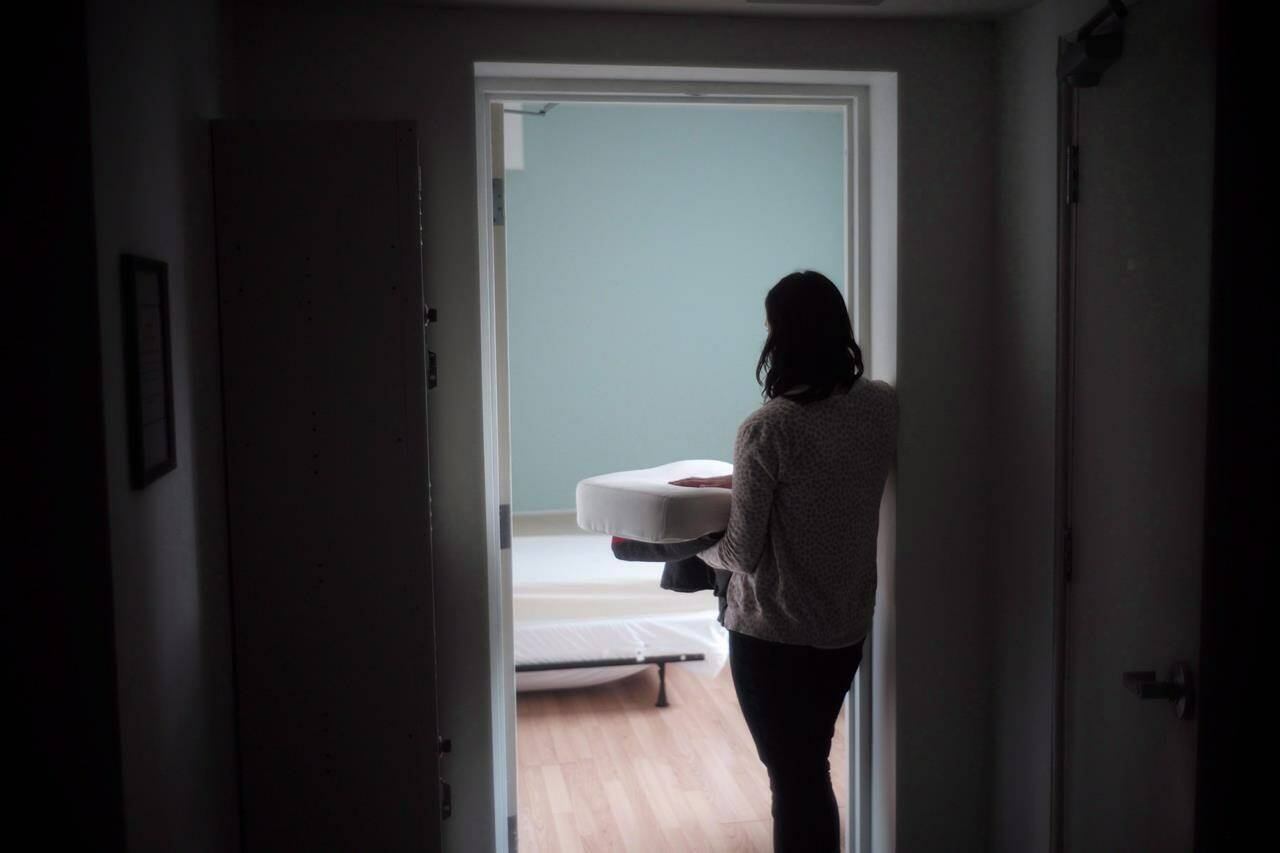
point(869, 100)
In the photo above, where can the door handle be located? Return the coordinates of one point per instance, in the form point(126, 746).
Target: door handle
point(1178, 688)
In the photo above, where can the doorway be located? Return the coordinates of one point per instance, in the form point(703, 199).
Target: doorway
point(529, 307)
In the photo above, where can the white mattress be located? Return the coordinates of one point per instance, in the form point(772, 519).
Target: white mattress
point(643, 505)
point(574, 601)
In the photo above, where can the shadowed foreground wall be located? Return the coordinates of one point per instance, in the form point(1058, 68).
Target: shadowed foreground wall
point(59, 629)
point(406, 62)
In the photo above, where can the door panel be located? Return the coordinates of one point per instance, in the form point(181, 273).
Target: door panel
point(1140, 374)
point(324, 386)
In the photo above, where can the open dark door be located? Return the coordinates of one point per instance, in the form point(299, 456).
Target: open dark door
point(1137, 200)
point(325, 400)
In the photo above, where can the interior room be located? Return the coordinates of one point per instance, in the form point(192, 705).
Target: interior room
point(735, 196)
point(328, 309)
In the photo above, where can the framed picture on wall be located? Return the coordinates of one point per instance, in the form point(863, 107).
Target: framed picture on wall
point(148, 368)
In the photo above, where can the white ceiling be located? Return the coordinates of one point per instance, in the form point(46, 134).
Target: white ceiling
point(971, 9)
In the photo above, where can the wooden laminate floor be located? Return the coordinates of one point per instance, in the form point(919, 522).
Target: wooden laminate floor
point(601, 768)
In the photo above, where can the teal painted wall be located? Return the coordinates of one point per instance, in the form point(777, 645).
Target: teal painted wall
point(641, 241)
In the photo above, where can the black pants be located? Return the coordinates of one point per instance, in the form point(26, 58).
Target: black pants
point(790, 697)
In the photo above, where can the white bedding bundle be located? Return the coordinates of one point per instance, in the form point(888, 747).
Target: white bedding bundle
point(642, 505)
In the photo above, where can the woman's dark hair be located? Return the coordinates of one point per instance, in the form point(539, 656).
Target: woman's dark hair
point(810, 340)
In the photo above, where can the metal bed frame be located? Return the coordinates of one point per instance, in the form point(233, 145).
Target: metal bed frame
point(660, 661)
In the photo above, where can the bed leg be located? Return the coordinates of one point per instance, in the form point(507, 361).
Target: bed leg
point(662, 685)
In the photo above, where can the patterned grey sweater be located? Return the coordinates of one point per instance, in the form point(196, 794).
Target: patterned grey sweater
point(807, 483)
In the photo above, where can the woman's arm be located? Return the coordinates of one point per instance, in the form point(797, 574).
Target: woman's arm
point(755, 476)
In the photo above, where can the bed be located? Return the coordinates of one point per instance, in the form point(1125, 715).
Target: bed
point(583, 617)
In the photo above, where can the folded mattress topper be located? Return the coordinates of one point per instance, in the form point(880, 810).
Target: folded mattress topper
point(642, 505)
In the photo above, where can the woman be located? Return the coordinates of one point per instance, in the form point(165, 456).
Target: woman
point(809, 468)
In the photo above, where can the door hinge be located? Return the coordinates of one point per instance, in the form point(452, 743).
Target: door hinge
point(499, 203)
point(1073, 174)
point(504, 526)
point(513, 842)
point(418, 210)
point(444, 746)
point(1067, 555)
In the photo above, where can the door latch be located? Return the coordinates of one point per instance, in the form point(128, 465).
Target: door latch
point(1178, 688)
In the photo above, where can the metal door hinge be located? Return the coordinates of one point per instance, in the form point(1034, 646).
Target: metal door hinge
point(418, 209)
point(513, 842)
point(1073, 174)
point(444, 746)
point(504, 526)
point(499, 203)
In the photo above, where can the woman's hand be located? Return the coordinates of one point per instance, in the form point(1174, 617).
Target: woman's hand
point(725, 482)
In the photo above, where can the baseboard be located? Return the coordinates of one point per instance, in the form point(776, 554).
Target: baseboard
point(550, 522)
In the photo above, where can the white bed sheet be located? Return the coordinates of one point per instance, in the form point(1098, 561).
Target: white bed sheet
point(573, 601)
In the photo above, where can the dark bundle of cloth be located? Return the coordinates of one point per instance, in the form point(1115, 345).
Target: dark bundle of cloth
point(683, 571)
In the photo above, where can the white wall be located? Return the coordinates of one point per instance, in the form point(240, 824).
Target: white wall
point(641, 241)
point(408, 62)
point(154, 83)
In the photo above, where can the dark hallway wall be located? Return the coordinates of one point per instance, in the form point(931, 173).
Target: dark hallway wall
point(155, 81)
point(1023, 371)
